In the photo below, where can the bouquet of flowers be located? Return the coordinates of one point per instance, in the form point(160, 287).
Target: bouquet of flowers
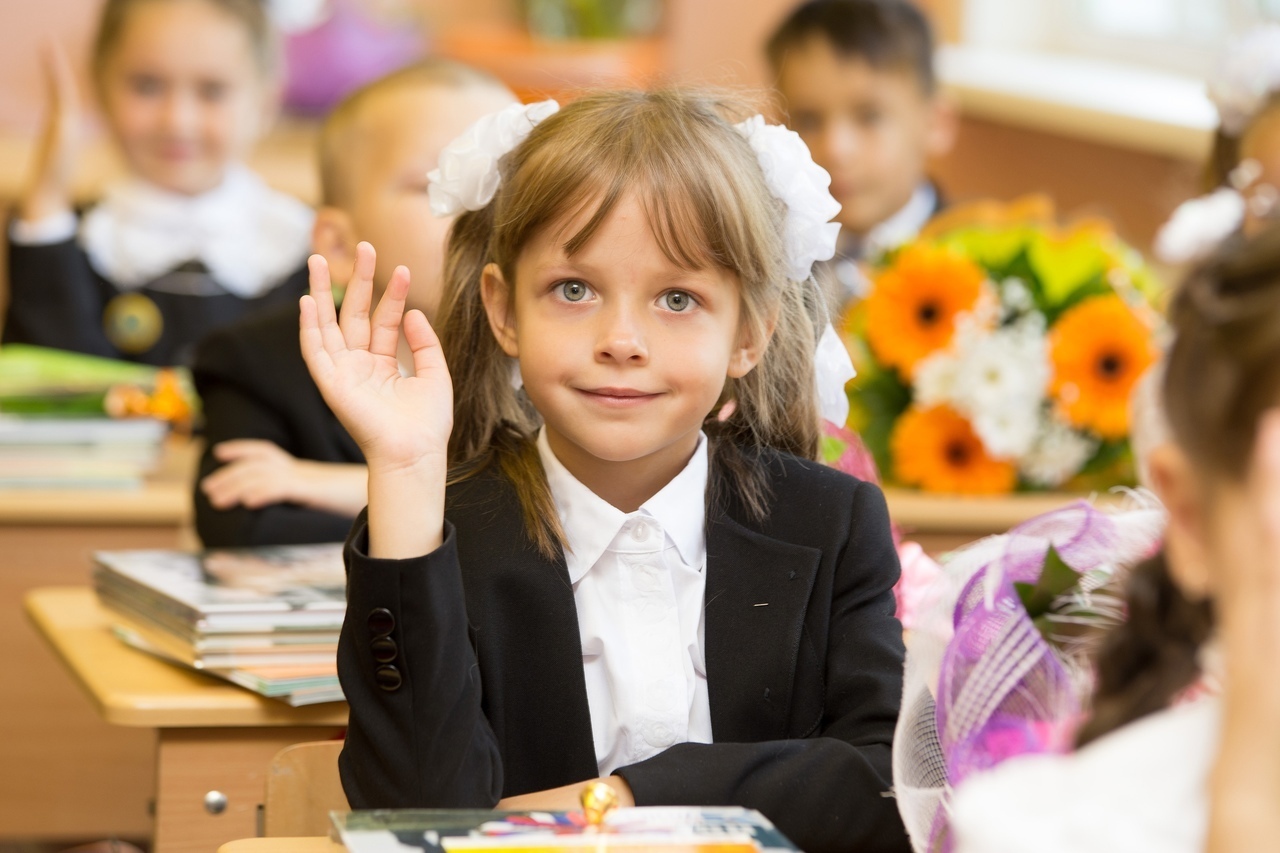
point(998, 351)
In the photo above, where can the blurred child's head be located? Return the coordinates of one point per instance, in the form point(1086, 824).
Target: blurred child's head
point(858, 85)
point(1221, 376)
point(633, 245)
point(375, 151)
point(187, 86)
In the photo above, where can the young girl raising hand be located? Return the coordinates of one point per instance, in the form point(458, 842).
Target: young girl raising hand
point(616, 574)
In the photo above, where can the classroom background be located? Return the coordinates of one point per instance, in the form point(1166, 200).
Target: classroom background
point(1098, 104)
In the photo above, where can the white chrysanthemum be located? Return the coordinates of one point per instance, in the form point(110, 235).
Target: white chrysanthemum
point(934, 380)
point(1015, 296)
point(1000, 385)
point(1058, 454)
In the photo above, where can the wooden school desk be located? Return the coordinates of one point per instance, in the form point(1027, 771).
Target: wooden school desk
point(210, 736)
point(942, 523)
point(80, 777)
point(283, 845)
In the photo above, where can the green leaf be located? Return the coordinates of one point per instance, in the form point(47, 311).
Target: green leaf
point(1056, 579)
point(877, 399)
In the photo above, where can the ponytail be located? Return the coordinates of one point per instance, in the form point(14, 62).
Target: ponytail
point(1145, 661)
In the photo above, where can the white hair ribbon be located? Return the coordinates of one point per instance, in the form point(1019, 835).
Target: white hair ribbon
point(808, 236)
point(467, 175)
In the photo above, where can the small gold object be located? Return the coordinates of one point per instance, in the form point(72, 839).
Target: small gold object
point(598, 799)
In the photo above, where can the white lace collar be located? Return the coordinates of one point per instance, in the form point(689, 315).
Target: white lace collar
point(249, 236)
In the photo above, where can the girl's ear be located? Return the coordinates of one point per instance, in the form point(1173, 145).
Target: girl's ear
point(943, 126)
point(1186, 538)
point(334, 236)
point(498, 304)
point(751, 347)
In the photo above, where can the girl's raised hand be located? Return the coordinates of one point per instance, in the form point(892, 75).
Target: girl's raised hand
point(48, 190)
point(402, 423)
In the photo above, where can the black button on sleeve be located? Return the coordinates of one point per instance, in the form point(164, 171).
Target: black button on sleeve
point(388, 678)
point(384, 650)
point(381, 622)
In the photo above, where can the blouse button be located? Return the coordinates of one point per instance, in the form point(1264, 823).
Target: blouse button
point(640, 532)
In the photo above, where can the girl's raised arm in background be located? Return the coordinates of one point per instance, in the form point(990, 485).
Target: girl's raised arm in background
point(402, 423)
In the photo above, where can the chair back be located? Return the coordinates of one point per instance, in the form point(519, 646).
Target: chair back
point(302, 788)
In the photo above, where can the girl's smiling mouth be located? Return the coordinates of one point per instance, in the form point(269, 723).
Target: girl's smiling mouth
point(618, 397)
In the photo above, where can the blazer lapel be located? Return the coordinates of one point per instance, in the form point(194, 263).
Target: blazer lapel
point(757, 595)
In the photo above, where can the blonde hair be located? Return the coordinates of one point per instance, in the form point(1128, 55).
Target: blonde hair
point(250, 14)
point(342, 130)
point(708, 205)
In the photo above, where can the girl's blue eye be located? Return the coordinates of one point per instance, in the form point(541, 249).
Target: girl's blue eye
point(573, 291)
point(677, 300)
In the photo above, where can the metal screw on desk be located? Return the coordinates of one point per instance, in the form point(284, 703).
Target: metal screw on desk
point(215, 802)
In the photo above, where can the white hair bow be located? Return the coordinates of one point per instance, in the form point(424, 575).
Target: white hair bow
point(467, 175)
point(808, 236)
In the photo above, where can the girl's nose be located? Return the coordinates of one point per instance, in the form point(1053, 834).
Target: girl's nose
point(622, 338)
point(179, 113)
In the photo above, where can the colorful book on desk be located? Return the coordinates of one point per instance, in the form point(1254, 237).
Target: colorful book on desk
point(266, 618)
point(665, 829)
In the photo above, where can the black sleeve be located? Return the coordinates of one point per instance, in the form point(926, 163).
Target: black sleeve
point(55, 299)
point(417, 734)
point(231, 411)
point(827, 792)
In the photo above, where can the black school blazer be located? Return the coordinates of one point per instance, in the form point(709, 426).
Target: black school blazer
point(254, 384)
point(480, 692)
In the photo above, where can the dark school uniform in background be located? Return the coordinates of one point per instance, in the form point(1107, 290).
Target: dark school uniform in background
point(455, 707)
point(253, 383)
point(146, 273)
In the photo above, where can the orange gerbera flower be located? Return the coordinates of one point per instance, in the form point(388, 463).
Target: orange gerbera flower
point(912, 310)
point(1099, 350)
point(937, 450)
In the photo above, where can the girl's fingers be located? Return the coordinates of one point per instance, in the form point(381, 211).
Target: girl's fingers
point(243, 448)
point(326, 314)
point(385, 339)
point(319, 362)
point(428, 356)
point(354, 319)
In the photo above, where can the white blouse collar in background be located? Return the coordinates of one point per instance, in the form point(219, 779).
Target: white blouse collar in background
point(903, 225)
point(590, 522)
point(249, 236)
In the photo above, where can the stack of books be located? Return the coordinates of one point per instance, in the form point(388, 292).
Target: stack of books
point(74, 420)
point(265, 618)
point(39, 452)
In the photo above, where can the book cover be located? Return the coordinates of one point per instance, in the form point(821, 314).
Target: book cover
point(663, 829)
point(251, 590)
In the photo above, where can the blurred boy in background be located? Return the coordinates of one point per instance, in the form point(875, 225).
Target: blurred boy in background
point(278, 467)
point(857, 82)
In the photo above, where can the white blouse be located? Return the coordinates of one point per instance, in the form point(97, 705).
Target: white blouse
point(1139, 789)
point(638, 584)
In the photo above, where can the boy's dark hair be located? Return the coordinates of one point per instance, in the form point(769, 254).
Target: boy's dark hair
point(884, 33)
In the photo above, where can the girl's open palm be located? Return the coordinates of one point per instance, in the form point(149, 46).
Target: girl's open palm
point(399, 421)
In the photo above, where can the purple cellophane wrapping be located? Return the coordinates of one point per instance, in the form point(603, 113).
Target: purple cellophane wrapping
point(982, 684)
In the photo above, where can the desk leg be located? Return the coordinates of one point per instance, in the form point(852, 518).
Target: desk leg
point(193, 762)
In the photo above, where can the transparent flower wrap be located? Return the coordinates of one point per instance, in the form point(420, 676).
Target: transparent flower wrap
point(999, 661)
